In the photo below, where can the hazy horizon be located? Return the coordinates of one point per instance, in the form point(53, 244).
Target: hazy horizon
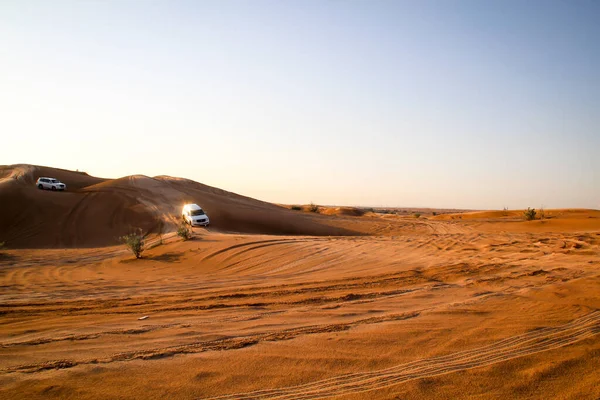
point(466, 104)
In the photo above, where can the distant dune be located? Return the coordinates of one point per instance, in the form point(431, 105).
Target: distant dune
point(329, 210)
point(350, 211)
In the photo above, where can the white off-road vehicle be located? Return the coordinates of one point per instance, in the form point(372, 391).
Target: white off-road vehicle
point(194, 215)
point(50, 184)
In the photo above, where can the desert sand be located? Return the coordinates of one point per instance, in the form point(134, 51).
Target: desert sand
point(274, 303)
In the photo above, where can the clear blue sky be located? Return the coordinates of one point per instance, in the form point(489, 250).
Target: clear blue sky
point(467, 104)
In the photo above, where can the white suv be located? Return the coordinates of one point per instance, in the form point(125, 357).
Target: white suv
point(50, 183)
point(194, 215)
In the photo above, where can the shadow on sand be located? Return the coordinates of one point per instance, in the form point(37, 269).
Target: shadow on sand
point(166, 257)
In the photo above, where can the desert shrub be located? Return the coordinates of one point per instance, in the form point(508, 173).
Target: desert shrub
point(297, 208)
point(184, 232)
point(417, 215)
point(434, 213)
point(1, 246)
point(541, 213)
point(313, 208)
point(529, 214)
point(134, 242)
point(505, 211)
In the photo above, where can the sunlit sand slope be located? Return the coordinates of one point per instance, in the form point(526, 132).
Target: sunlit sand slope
point(95, 212)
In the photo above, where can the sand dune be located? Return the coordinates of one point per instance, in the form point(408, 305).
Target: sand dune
point(350, 211)
point(487, 305)
point(94, 211)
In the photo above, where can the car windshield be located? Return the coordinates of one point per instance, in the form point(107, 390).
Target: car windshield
point(196, 212)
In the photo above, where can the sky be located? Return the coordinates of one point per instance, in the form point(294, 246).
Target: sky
point(454, 104)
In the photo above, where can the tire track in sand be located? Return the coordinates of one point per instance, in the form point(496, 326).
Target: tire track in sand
point(517, 346)
point(229, 343)
point(252, 245)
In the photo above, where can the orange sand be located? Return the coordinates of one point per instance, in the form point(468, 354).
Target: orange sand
point(300, 306)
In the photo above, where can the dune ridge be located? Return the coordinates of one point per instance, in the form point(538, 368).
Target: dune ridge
point(95, 211)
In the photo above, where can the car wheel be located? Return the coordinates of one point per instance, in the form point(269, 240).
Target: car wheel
point(54, 188)
point(40, 186)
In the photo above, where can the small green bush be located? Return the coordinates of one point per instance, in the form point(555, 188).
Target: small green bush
point(417, 215)
point(184, 231)
point(297, 208)
point(134, 242)
point(313, 208)
point(530, 214)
